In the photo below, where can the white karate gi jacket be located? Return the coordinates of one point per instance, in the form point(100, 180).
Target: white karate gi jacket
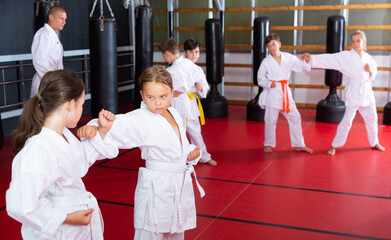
point(271, 70)
point(49, 168)
point(47, 52)
point(185, 74)
point(359, 85)
point(164, 197)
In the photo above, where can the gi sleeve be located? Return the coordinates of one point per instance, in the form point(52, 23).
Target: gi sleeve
point(201, 78)
point(334, 61)
point(263, 80)
point(126, 132)
point(298, 65)
point(373, 67)
point(27, 201)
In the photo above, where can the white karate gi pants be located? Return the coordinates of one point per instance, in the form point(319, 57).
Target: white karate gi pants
point(294, 122)
point(369, 115)
point(141, 234)
point(194, 131)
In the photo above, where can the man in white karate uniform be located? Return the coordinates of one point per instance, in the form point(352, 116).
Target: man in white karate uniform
point(276, 97)
point(47, 49)
point(187, 78)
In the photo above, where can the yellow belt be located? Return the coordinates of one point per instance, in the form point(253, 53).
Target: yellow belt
point(202, 117)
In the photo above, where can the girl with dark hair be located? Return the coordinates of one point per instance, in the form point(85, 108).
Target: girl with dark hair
point(46, 193)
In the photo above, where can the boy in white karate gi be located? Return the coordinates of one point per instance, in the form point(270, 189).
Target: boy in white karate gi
point(360, 69)
point(187, 78)
point(47, 50)
point(276, 97)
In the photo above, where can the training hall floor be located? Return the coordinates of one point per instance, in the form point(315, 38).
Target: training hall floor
point(256, 195)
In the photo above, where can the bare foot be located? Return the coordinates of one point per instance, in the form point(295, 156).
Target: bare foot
point(267, 149)
point(379, 147)
point(212, 162)
point(304, 149)
point(331, 151)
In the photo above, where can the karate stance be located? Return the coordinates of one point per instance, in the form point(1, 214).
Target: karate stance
point(276, 97)
point(164, 198)
point(46, 193)
point(360, 69)
point(47, 49)
point(187, 78)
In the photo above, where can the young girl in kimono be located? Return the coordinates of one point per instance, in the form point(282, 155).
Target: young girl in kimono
point(188, 79)
point(46, 193)
point(360, 70)
point(276, 97)
point(164, 198)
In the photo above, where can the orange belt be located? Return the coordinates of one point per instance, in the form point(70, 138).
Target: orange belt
point(285, 98)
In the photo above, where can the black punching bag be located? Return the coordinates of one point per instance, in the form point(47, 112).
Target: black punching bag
point(144, 46)
point(214, 104)
point(1, 133)
point(103, 55)
point(332, 109)
point(387, 114)
point(261, 30)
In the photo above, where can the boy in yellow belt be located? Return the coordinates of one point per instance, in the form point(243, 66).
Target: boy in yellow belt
point(187, 79)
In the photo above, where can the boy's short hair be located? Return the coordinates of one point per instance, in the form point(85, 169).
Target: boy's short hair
point(271, 37)
point(169, 45)
point(191, 44)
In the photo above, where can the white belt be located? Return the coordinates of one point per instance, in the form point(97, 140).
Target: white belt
point(155, 165)
point(174, 168)
point(91, 202)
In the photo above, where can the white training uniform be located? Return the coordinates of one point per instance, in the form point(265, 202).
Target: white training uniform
point(47, 184)
point(164, 197)
point(47, 52)
point(359, 94)
point(271, 99)
point(185, 74)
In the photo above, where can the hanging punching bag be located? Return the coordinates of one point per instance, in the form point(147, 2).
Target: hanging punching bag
point(261, 30)
point(214, 104)
point(103, 57)
point(144, 46)
point(332, 109)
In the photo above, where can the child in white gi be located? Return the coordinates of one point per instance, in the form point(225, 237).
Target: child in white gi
point(187, 78)
point(164, 199)
point(46, 193)
point(360, 69)
point(276, 97)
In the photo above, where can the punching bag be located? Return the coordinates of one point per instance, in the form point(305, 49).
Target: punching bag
point(103, 58)
point(332, 109)
point(261, 30)
point(214, 104)
point(144, 46)
point(387, 114)
point(1, 133)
